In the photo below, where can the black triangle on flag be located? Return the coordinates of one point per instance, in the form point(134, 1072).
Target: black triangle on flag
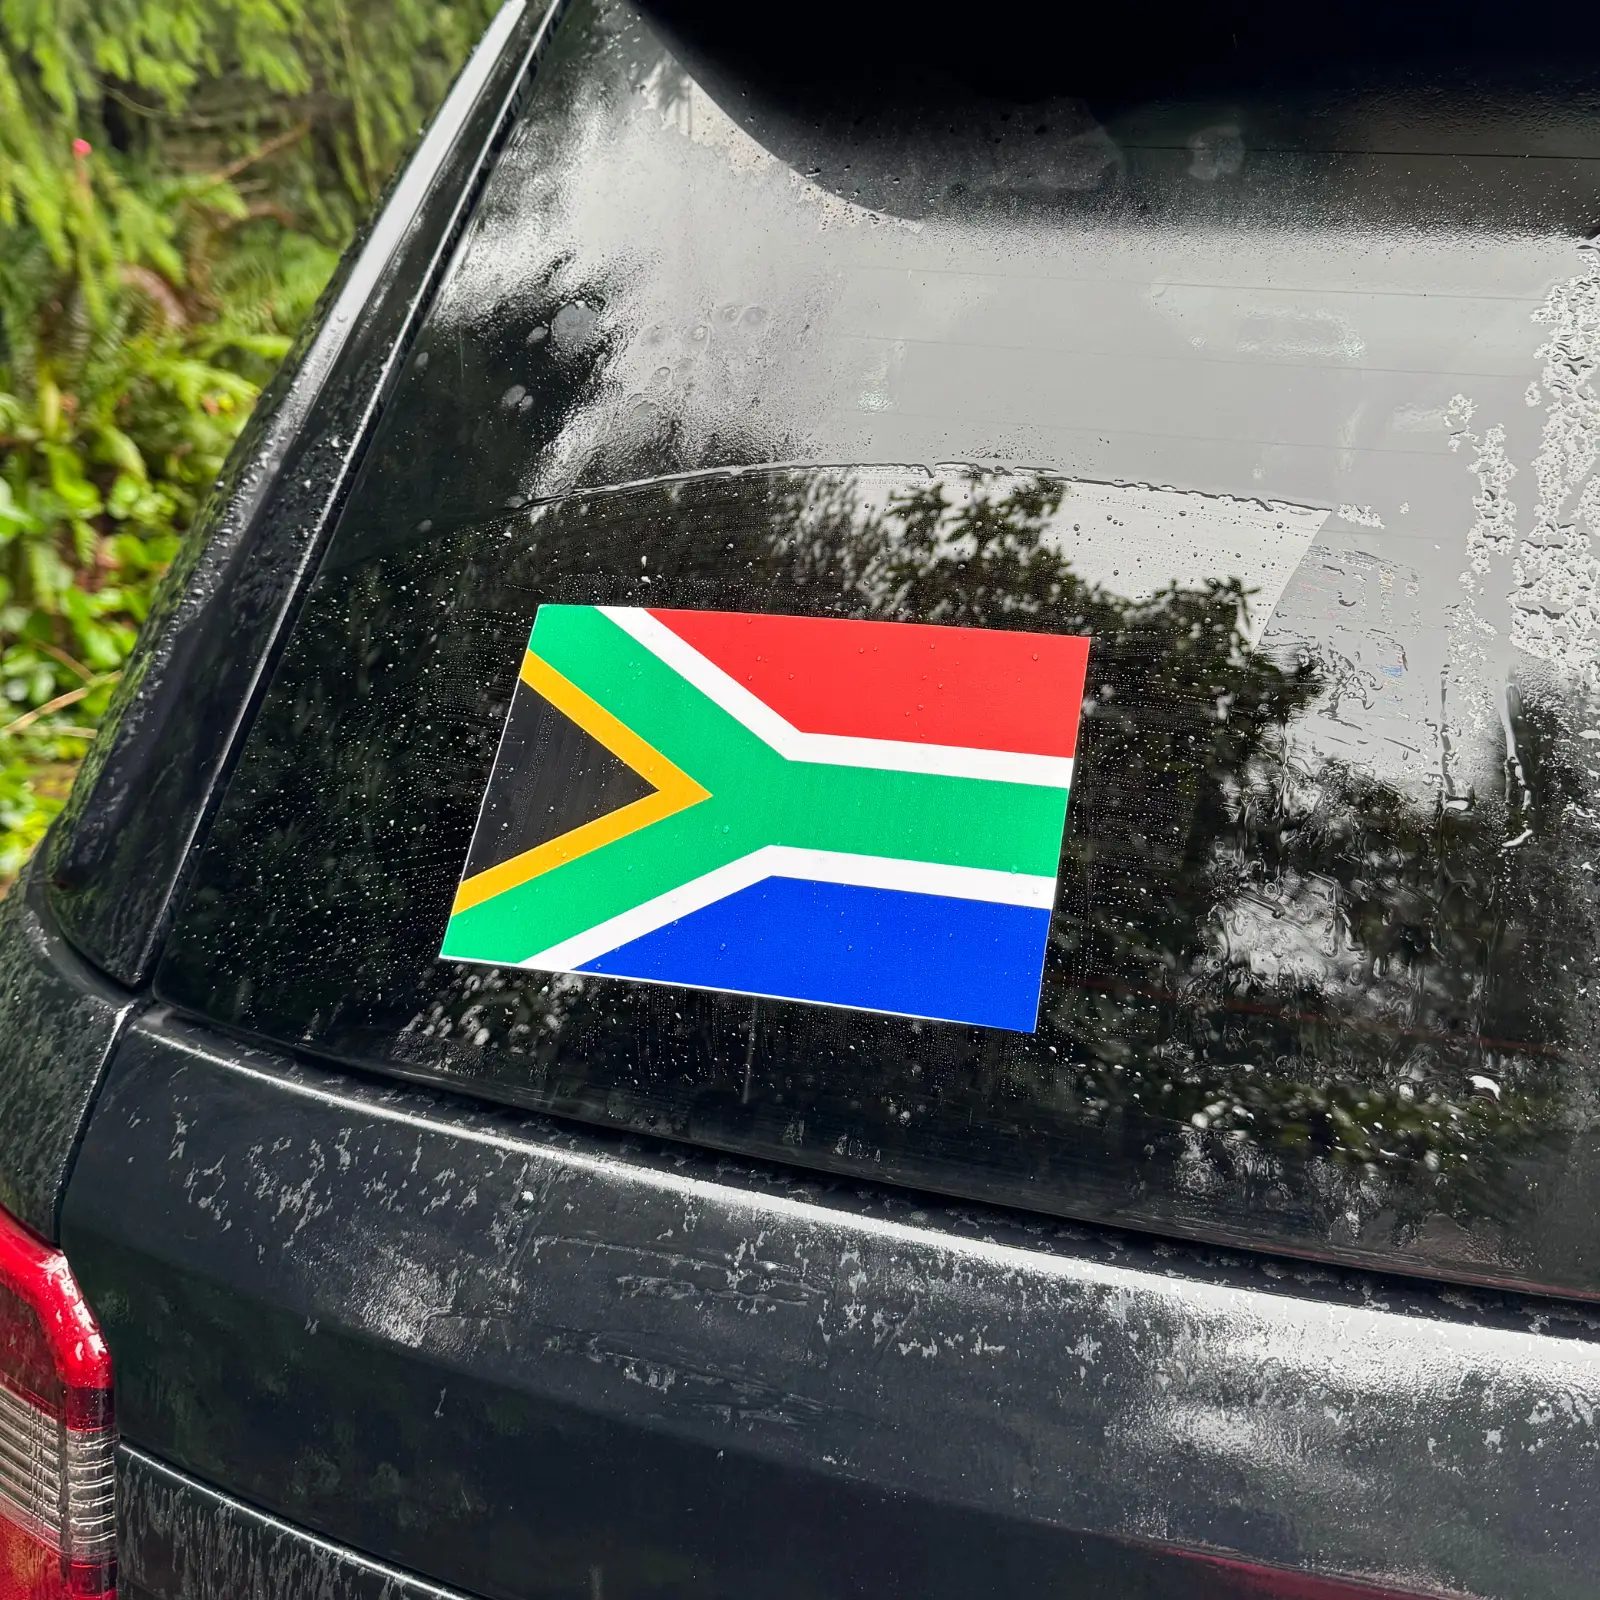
point(549, 778)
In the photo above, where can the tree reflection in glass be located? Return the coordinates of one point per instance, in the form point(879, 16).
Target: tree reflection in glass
point(1288, 997)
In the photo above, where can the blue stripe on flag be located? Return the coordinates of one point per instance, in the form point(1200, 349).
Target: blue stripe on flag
point(923, 955)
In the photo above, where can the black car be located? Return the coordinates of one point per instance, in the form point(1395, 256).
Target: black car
point(562, 1045)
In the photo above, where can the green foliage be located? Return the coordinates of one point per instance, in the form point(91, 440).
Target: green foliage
point(177, 180)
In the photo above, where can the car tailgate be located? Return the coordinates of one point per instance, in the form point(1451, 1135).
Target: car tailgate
point(528, 1361)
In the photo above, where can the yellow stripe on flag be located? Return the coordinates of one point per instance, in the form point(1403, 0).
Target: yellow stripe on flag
point(675, 790)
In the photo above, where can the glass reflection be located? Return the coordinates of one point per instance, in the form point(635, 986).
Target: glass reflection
point(1285, 996)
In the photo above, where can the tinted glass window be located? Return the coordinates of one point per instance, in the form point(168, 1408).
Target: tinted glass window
point(1300, 382)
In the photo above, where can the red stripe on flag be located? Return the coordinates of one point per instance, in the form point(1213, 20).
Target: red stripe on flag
point(982, 688)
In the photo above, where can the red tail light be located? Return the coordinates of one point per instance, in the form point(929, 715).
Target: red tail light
point(57, 1441)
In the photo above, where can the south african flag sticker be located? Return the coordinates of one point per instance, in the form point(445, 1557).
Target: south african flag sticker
point(846, 813)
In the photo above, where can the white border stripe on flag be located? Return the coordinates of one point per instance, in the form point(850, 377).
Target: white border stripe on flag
point(828, 749)
point(790, 861)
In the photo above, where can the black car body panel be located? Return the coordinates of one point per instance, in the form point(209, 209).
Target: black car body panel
point(502, 1353)
point(182, 1540)
point(59, 1019)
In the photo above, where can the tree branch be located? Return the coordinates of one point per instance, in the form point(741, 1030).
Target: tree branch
point(270, 148)
point(60, 703)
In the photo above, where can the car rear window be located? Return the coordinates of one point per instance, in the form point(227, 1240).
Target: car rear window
point(1282, 399)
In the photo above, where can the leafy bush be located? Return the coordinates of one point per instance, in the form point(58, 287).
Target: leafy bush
point(177, 180)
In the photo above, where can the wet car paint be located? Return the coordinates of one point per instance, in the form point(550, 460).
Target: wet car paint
point(1320, 969)
point(507, 1354)
point(182, 1540)
point(59, 1021)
